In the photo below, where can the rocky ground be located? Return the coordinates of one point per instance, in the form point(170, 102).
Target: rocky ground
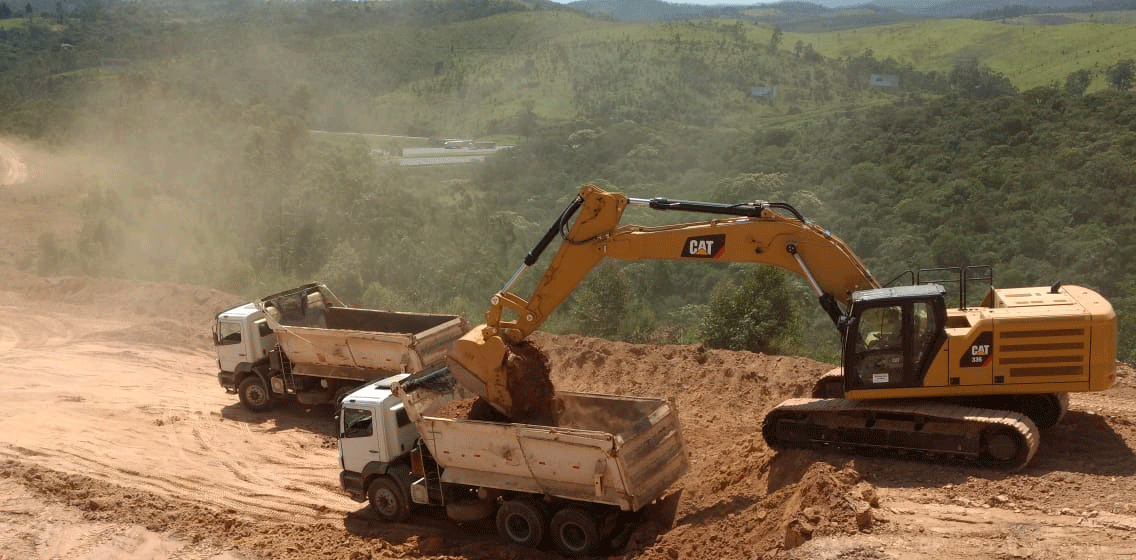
point(116, 442)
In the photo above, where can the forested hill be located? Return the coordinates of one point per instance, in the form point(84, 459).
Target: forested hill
point(199, 164)
point(838, 14)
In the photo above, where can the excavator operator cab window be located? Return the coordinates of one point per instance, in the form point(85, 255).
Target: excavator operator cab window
point(879, 348)
point(895, 331)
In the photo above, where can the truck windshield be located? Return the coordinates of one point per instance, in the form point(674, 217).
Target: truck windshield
point(356, 422)
point(228, 332)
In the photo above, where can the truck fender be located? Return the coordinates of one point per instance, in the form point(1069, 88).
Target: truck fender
point(246, 369)
point(399, 471)
point(259, 369)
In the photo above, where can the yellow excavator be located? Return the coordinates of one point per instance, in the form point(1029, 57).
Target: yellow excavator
point(971, 383)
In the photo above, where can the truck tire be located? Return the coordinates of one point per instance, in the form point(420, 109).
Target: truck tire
point(254, 394)
point(388, 501)
point(519, 521)
point(574, 532)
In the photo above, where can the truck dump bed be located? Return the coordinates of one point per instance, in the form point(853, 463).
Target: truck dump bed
point(322, 337)
point(617, 450)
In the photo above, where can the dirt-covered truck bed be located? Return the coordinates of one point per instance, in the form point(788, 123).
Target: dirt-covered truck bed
point(322, 337)
point(618, 450)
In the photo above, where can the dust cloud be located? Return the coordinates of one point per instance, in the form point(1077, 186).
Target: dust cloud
point(162, 172)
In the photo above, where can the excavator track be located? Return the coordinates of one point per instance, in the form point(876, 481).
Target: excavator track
point(992, 438)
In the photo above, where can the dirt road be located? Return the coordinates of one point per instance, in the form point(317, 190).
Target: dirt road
point(117, 442)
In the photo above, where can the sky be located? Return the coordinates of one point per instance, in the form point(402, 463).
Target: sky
point(706, 2)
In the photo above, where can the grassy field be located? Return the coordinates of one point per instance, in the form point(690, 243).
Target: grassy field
point(1031, 51)
point(484, 75)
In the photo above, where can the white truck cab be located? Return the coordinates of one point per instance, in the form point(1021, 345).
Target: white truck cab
point(374, 426)
point(243, 339)
point(375, 438)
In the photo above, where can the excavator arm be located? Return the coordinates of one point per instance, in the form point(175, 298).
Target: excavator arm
point(756, 232)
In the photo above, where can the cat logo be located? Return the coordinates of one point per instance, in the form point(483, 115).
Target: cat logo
point(980, 352)
point(704, 247)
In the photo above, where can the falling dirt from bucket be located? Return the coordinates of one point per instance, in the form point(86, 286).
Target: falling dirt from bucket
point(529, 384)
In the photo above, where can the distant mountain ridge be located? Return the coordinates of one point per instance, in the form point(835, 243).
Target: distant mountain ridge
point(658, 10)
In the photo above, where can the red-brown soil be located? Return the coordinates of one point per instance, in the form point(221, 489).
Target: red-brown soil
point(117, 442)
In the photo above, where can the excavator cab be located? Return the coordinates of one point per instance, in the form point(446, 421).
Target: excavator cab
point(892, 334)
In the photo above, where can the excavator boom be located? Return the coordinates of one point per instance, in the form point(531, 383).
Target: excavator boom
point(755, 232)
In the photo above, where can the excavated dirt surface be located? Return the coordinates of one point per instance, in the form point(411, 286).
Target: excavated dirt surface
point(116, 442)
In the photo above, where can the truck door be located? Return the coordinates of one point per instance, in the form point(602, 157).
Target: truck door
point(229, 340)
point(263, 339)
point(357, 442)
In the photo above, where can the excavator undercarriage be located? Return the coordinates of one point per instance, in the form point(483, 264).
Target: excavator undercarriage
point(992, 438)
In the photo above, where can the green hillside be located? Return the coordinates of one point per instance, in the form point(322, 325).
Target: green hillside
point(1028, 51)
point(199, 164)
point(498, 74)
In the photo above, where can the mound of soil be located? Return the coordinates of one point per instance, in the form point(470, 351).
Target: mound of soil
point(825, 501)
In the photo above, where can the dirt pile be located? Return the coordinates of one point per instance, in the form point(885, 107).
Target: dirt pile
point(826, 500)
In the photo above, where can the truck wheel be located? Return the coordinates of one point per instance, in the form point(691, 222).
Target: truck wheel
point(387, 500)
point(254, 394)
point(521, 522)
point(574, 532)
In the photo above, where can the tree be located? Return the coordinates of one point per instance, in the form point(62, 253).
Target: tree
point(5, 11)
point(28, 9)
point(775, 40)
point(1077, 82)
point(602, 301)
point(1120, 74)
point(971, 80)
point(754, 310)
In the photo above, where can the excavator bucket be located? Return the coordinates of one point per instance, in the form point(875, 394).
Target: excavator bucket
point(512, 378)
point(478, 363)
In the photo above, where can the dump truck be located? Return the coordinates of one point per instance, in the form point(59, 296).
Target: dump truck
point(584, 478)
point(304, 343)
